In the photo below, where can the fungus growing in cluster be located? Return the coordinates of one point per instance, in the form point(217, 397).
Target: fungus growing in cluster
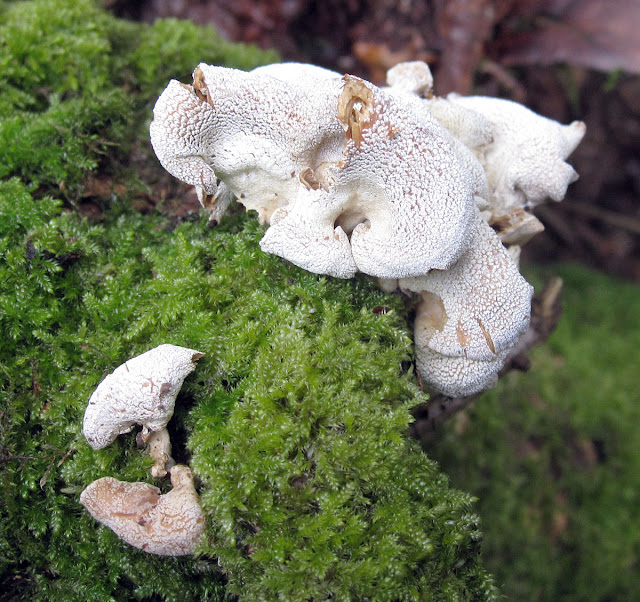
point(392, 182)
point(142, 391)
point(169, 524)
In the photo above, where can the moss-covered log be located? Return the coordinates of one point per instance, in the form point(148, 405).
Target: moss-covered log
point(295, 421)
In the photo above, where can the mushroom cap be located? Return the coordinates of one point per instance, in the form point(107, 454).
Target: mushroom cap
point(296, 234)
point(299, 74)
point(486, 303)
point(472, 128)
point(255, 132)
point(143, 391)
point(400, 189)
point(457, 376)
point(178, 135)
point(525, 163)
point(169, 525)
point(470, 315)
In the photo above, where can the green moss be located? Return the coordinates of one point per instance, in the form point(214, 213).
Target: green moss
point(554, 455)
point(78, 85)
point(297, 430)
point(295, 420)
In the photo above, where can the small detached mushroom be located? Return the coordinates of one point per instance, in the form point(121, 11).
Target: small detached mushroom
point(169, 525)
point(142, 391)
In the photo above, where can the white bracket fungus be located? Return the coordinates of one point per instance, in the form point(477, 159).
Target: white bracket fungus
point(169, 525)
point(404, 217)
point(142, 391)
point(254, 131)
point(386, 181)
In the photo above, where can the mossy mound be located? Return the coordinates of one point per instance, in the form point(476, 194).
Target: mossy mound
point(294, 422)
point(554, 454)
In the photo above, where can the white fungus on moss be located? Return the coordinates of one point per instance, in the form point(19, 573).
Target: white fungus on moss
point(392, 182)
point(169, 524)
point(400, 192)
point(254, 131)
point(142, 391)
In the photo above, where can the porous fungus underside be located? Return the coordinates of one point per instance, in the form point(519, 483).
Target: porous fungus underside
point(295, 421)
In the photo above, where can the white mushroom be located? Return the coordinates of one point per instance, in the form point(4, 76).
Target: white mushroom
point(255, 132)
point(411, 76)
point(522, 153)
point(401, 191)
point(142, 391)
point(525, 163)
point(393, 182)
point(169, 525)
point(456, 376)
point(470, 315)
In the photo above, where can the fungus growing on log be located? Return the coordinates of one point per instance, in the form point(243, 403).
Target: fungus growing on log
point(142, 391)
point(392, 182)
point(169, 524)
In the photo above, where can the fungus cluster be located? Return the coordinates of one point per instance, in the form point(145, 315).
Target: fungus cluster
point(143, 391)
point(419, 191)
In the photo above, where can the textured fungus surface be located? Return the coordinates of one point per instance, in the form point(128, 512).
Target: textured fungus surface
point(470, 316)
point(525, 163)
point(392, 182)
point(142, 391)
point(400, 191)
point(253, 131)
point(169, 525)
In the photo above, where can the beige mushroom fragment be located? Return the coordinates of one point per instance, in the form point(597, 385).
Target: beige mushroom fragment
point(158, 445)
point(169, 524)
point(142, 391)
point(470, 315)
